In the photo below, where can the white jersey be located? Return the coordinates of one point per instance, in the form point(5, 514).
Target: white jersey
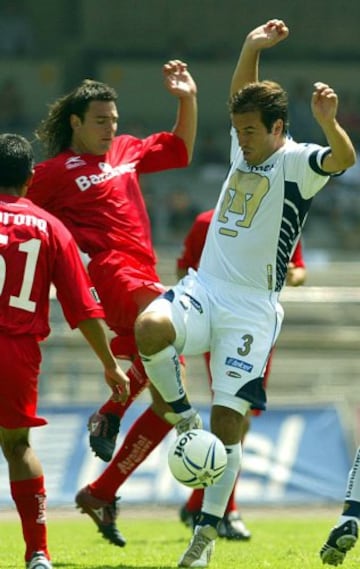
point(260, 213)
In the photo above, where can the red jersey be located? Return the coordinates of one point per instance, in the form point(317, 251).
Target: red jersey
point(195, 239)
point(35, 251)
point(99, 197)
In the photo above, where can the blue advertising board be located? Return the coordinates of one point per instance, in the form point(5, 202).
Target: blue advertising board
point(291, 455)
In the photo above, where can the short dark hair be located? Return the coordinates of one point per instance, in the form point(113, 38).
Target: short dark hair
point(55, 130)
point(16, 160)
point(266, 97)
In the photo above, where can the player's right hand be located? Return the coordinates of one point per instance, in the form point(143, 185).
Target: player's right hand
point(119, 383)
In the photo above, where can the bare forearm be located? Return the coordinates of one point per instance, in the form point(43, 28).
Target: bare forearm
point(94, 332)
point(343, 154)
point(186, 123)
point(246, 70)
point(263, 37)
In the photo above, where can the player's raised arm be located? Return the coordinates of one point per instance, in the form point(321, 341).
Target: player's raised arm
point(324, 105)
point(264, 36)
point(179, 82)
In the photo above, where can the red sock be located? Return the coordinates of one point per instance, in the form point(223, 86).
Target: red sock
point(30, 500)
point(194, 502)
point(144, 435)
point(138, 382)
point(231, 505)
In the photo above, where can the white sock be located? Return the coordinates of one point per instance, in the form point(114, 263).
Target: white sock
point(352, 491)
point(163, 370)
point(353, 484)
point(343, 519)
point(217, 496)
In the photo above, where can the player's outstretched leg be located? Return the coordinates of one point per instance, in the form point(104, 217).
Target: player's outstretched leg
point(103, 513)
point(341, 539)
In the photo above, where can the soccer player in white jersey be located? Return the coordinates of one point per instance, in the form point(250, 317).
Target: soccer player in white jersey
point(230, 306)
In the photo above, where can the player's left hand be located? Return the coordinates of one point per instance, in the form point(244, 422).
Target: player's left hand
point(119, 384)
point(268, 34)
point(178, 80)
point(324, 103)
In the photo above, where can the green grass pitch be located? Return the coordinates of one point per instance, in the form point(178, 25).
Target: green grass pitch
point(279, 542)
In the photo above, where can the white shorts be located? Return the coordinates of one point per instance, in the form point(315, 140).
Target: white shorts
point(237, 325)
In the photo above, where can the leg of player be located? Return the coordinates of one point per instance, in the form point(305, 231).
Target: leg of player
point(345, 533)
point(232, 526)
point(28, 492)
point(98, 499)
point(156, 338)
point(226, 423)
point(104, 424)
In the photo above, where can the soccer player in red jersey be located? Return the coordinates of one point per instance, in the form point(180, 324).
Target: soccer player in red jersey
point(91, 182)
point(232, 526)
point(35, 251)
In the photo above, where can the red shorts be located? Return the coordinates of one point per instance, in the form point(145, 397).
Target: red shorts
point(20, 367)
point(124, 286)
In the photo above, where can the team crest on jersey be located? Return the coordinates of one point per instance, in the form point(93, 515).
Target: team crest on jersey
point(240, 364)
point(245, 192)
point(74, 162)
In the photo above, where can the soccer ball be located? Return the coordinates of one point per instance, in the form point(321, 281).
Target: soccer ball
point(197, 458)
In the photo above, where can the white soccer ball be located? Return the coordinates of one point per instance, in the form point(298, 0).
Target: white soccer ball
point(197, 458)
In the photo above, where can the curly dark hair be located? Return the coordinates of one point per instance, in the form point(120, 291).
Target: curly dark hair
point(266, 97)
point(55, 131)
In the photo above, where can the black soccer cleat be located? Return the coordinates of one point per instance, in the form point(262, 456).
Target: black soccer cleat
point(103, 513)
point(233, 527)
point(103, 429)
point(341, 539)
point(188, 518)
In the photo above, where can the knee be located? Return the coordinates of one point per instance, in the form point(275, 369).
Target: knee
point(153, 333)
point(14, 447)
